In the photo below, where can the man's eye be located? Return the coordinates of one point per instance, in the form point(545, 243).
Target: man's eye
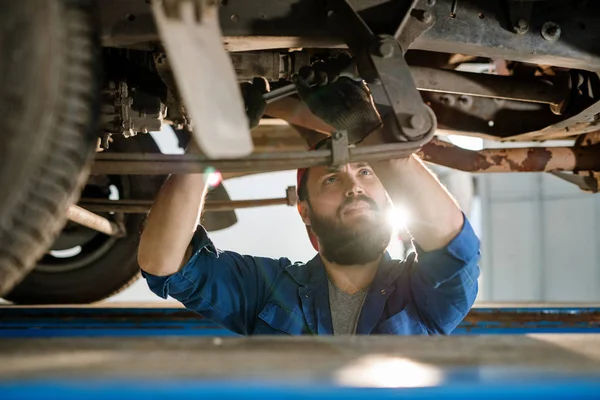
point(364, 172)
point(330, 179)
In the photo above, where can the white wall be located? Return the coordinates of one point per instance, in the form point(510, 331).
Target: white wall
point(541, 240)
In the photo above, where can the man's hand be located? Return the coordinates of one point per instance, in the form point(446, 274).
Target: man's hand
point(340, 101)
point(253, 92)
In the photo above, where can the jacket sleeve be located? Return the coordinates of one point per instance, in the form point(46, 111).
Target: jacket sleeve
point(223, 286)
point(443, 282)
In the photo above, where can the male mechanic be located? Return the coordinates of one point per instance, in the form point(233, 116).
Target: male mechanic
point(352, 286)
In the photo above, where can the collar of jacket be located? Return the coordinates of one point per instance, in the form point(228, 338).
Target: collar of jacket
point(314, 294)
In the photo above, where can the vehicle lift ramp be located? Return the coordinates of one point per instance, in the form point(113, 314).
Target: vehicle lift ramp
point(157, 351)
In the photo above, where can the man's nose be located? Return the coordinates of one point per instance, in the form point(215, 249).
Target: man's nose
point(354, 188)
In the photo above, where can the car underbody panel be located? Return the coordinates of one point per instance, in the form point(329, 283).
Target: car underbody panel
point(500, 70)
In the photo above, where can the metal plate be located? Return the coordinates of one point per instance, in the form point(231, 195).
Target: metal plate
point(480, 27)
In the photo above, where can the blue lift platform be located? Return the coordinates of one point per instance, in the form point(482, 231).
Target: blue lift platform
point(114, 352)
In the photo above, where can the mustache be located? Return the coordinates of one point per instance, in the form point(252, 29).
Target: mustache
point(358, 199)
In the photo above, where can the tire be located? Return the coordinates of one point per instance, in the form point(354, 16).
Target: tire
point(105, 265)
point(50, 101)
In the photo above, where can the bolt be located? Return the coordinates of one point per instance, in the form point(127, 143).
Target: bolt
point(551, 31)
point(337, 135)
point(521, 27)
point(431, 3)
point(447, 100)
point(465, 101)
point(416, 121)
point(385, 49)
point(426, 17)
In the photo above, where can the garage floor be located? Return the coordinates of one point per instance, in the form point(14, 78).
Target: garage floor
point(170, 365)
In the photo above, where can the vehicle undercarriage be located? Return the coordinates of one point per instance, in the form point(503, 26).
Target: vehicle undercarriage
point(505, 70)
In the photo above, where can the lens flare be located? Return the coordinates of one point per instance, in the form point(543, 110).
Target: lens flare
point(399, 218)
point(214, 177)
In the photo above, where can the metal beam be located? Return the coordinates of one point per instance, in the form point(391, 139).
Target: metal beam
point(527, 159)
point(161, 164)
point(534, 90)
point(534, 159)
point(94, 221)
point(477, 27)
point(131, 206)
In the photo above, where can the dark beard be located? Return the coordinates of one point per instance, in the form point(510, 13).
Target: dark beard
point(344, 245)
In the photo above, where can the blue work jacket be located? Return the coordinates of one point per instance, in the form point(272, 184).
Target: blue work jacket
point(428, 293)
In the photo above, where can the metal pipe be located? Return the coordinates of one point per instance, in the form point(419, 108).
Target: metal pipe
point(280, 93)
point(533, 90)
point(160, 164)
point(533, 159)
point(93, 221)
point(528, 159)
point(143, 206)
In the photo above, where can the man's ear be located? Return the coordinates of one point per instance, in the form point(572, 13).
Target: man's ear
point(303, 210)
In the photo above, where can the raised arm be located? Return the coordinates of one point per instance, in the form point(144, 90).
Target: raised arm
point(165, 242)
point(434, 216)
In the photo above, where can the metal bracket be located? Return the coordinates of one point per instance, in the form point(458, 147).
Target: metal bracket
point(380, 60)
point(291, 195)
point(418, 20)
point(585, 183)
point(339, 148)
point(205, 77)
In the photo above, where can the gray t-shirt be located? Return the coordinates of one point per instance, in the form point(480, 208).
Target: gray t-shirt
point(345, 309)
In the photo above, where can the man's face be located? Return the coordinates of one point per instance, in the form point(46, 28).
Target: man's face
point(347, 210)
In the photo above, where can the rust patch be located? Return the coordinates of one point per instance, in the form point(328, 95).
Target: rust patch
point(497, 159)
point(537, 159)
point(446, 154)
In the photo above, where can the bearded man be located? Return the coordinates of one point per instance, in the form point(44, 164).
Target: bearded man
point(352, 286)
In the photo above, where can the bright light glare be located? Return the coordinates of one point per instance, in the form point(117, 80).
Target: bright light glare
point(466, 142)
point(214, 179)
point(388, 372)
point(399, 218)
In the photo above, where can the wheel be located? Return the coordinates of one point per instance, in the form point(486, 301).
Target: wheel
point(50, 102)
point(83, 265)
